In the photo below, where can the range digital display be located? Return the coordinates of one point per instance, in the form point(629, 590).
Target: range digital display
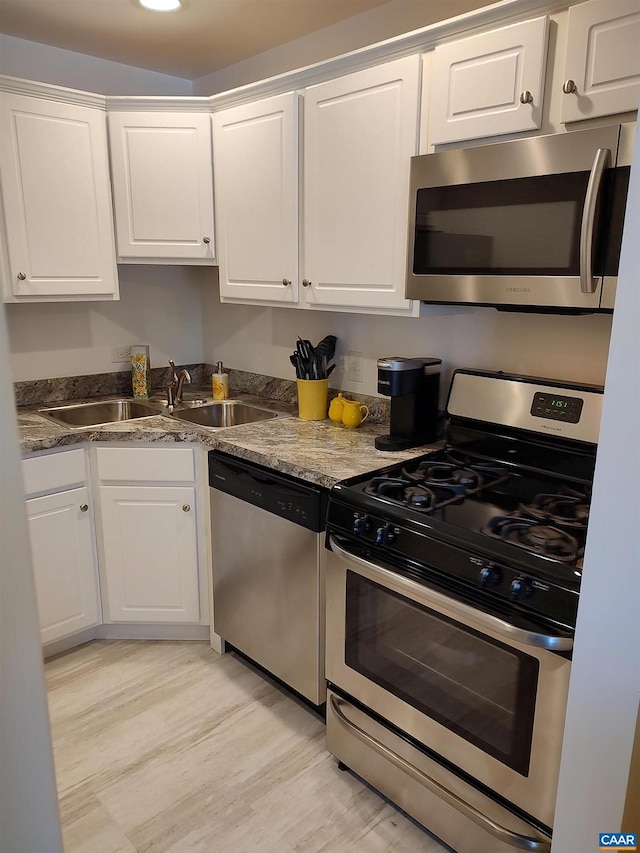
point(556, 407)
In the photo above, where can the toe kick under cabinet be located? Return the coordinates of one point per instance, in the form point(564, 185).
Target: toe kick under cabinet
point(150, 538)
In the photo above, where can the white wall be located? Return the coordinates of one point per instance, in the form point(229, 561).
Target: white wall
point(261, 339)
point(159, 305)
point(34, 61)
point(28, 803)
point(605, 680)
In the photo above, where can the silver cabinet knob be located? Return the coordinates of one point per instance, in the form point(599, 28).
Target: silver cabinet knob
point(206, 239)
point(84, 507)
point(569, 87)
point(306, 282)
point(526, 97)
point(286, 282)
point(185, 507)
point(21, 276)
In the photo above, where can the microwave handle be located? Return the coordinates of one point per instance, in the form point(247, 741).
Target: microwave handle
point(600, 163)
point(475, 616)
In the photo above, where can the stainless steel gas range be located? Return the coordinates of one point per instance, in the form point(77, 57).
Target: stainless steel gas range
point(452, 590)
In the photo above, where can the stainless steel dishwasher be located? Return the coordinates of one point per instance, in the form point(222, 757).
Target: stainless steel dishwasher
point(268, 570)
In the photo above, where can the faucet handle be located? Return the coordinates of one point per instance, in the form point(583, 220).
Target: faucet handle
point(170, 399)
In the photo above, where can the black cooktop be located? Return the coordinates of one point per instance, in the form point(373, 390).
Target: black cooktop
point(530, 510)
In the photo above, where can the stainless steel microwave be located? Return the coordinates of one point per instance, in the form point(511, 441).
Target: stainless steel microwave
point(527, 225)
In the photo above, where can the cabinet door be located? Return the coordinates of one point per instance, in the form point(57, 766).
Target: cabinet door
point(360, 132)
point(256, 181)
point(162, 186)
point(489, 84)
point(64, 563)
point(150, 549)
point(57, 199)
point(602, 70)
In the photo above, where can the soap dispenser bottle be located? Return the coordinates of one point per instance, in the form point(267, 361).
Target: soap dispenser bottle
point(220, 383)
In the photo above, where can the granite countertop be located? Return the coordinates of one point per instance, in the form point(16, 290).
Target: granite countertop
point(319, 452)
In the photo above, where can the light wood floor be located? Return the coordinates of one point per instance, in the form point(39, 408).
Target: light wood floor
point(171, 748)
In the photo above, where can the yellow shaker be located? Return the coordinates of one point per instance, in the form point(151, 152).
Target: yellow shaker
point(335, 409)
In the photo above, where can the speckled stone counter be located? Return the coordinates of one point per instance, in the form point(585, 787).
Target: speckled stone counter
point(319, 452)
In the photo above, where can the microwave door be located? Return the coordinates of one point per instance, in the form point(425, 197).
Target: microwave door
point(511, 224)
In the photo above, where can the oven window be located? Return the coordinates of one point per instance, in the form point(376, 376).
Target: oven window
point(479, 688)
point(523, 226)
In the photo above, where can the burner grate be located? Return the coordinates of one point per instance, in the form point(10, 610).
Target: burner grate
point(436, 484)
point(530, 534)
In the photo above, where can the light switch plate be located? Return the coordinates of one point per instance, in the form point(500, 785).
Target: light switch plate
point(354, 366)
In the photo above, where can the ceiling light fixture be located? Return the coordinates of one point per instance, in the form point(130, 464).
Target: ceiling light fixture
point(161, 5)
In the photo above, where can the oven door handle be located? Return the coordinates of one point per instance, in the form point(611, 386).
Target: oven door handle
point(507, 836)
point(472, 614)
point(600, 163)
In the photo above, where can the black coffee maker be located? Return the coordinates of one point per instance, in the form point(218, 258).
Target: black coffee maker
point(414, 386)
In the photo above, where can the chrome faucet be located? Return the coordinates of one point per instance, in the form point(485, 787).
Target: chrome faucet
point(174, 389)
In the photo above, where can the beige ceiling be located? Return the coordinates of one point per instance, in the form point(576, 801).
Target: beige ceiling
point(206, 35)
point(203, 37)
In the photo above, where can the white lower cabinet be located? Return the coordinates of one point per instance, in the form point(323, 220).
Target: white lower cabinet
point(148, 516)
point(62, 544)
point(150, 552)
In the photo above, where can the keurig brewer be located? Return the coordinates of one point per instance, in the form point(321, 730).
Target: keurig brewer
point(413, 385)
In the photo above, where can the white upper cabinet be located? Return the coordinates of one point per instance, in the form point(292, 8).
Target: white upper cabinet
point(57, 200)
point(349, 253)
point(602, 69)
point(256, 188)
point(488, 84)
point(360, 132)
point(162, 186)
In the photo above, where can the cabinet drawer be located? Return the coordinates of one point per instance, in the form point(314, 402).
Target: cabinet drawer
point(53, 472)
point(149, 464)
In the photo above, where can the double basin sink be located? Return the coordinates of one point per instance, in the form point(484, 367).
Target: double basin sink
point(223, 413)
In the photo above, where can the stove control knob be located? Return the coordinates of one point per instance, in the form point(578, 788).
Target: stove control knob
point(521, 588)
point(361, 525)
point(490, 575)
point(386, 535)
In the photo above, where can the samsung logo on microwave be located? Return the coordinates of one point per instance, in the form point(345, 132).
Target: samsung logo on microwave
point(518, 290)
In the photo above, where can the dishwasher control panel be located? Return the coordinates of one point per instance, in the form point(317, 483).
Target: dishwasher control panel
point(295, 500)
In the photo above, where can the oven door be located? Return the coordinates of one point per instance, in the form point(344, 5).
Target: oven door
point(483, 694)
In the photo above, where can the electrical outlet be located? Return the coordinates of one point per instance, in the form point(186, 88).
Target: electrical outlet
point(354, 368)
point(120, 354)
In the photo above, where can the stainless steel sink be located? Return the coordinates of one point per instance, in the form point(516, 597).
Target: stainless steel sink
point(98, 414)
point(224, 413)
